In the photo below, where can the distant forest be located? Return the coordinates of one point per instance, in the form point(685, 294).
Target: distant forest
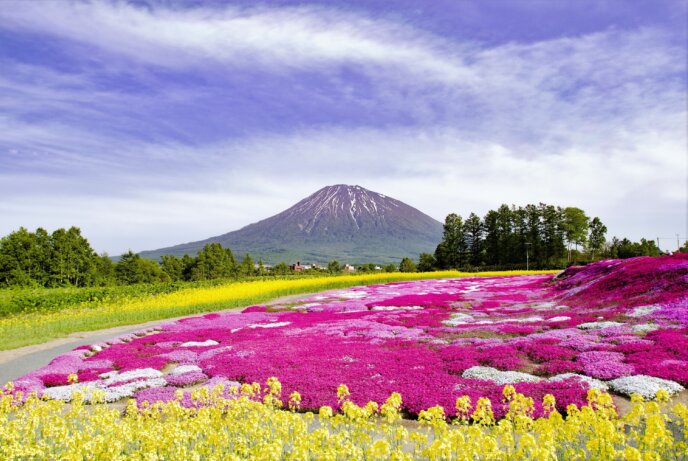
point(546, 236)
point(538, 236)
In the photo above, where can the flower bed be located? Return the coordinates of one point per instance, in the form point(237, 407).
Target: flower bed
point(418, 338)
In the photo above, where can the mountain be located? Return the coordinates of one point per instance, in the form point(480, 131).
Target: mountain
point(347, 223)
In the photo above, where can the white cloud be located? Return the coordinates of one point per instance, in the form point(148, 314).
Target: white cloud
point(596, 121)
point(283, 37)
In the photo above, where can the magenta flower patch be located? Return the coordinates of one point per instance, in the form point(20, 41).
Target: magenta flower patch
point(607, 320)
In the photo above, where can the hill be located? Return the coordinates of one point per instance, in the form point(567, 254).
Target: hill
point(347, 223)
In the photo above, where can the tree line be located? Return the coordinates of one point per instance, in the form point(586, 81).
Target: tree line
point(66, 258)
point(541, 236)
point(551, 237)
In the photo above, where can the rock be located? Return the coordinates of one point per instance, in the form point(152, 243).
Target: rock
point(498, 376)
point(647, 386)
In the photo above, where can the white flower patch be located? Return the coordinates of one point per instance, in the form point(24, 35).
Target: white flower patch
point(560, 318)
point(543, 305)
point(109, 394)
point(207, 343)
point(598, 325)
point(351, 294)
point(458, 319)
point(644, 327)
point(534, 318)
point(641, 311)
point(591, 382)
point(269, 325)
point(113, 394)
point(114, 377)
point(185, 369)
point(498, 376)
point(396, 308)
point(307, 305)
point(647, 386)
point(66, 393)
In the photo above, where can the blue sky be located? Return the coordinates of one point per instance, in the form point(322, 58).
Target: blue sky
point(153, 123)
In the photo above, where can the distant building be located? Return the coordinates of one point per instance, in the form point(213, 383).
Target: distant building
point(348, 268)
point(297, 267)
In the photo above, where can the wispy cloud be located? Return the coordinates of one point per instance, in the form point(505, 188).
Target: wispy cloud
point(152, 111)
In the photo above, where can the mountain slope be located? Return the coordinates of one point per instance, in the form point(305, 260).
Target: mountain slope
point(347, 223)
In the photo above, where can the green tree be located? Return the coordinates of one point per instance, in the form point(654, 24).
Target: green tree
point(247, 268)
point(391, 267)
point(173, 267)
point(575, 225)
point(407, 265)
point(596, 238)
point(104, 271)
point(261, 268)
point(132, 268)
point(684, 248)
point(214, 262)
point(492, 239)
point(73, 260)
point(17, 266)
point(553, 248)
point(454, 239)
point(281, 269)
point(426, 262)
point(333, 267)
point(474, 234)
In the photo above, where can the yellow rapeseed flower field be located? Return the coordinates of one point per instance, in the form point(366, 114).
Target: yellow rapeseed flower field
point(250, 423)
point(35, 327)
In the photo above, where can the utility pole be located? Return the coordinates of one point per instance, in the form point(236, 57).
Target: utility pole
point(527, 256)
point(678, 244)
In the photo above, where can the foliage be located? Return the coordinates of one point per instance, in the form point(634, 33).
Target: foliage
point(40, 259)
point(333, 267)
point(426, 262)
point(596, 239)
point(132, 269)
point(625, 248)
point(407, 265)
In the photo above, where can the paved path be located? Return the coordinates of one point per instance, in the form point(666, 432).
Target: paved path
point(27, 362)
point(17, 362)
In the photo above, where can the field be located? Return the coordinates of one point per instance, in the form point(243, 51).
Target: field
point(521, 366)
point(34, 316)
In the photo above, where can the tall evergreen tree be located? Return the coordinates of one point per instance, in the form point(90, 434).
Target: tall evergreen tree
point(474, 233)
point(455, 241)
point(214, 262)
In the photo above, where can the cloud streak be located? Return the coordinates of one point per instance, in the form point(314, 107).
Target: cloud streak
point(141, 114)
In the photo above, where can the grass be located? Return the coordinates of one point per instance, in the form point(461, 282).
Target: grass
point(41, 325)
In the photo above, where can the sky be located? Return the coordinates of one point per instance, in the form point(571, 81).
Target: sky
point(149, 124)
